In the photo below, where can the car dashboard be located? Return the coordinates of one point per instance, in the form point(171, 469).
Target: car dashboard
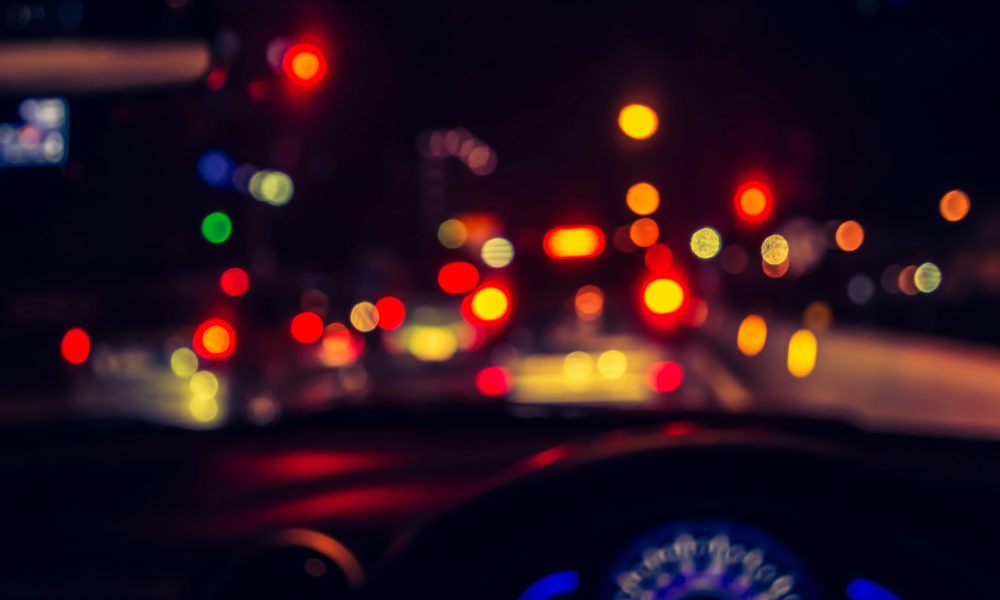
point(486, 504)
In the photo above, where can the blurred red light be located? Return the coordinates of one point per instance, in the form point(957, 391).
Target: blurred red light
point(234, 282)
point(493, 381)
point(215, 79)
point(548, 457)
point(307, 327)
point(664, 376)
point(753, 201)
point(214, 338)
point(304, 64)
point(75, 346)
point(658, 258)
point(679, 429)
point(391, 312)
point(574, 242)
point(458, 277)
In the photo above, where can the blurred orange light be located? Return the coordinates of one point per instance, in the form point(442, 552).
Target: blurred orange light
point(304, 64)
point(642, 198)
point(75, 346)
point(234, 282)
point(664, 376)
point(753, 201)
point(578, 241)
point(638, 121)
point(589, 302)
point(906, 281)
point(955, 205)
point(849, 236)
point(339, 346)
point(214, 338)
point(644, 232)
point(458, 277)
point(493, 381)
point(658, 258)
point(752, 335)
point(306, 327)
point(663, 296)
point(391, 312)
point(774, 271)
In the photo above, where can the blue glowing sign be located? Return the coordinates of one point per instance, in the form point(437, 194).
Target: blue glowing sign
point(862, 589)
point(41, 139)
point(551, 586)
point(216, 168)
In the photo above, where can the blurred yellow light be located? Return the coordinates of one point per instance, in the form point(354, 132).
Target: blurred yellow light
point(452, 233)
point(204, 409)
point(612, 364)
point(818, 316)
point(183, 362)
point(215, 339)
point(752, 335)
point(706, 243)
point(204, 384)
point(432, 344)
point(663, 296)
point(364, 316)
point(849, 236)
point(497, 252)
point(642, 198)
point(644, 232)
point(927, 277)
point(638, 121)
point(774, 250)
point(802, 353)
point(490, 303)
point(582, 241)
point(577, 367)
point(955, 205)
point(589, 302)
point(272, 187)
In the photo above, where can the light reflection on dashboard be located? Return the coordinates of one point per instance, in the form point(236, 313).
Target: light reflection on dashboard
point(707, 560)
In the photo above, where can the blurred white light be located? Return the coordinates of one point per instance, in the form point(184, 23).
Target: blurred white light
point(860, 289)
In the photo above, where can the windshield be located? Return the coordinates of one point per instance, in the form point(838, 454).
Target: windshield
point(242, 213)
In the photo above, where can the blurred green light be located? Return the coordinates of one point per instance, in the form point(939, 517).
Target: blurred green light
point(927, 277)
point(217, 227)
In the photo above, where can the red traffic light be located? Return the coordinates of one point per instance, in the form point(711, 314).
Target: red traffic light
point(214, 338)
point(75, 346)
point(753, 201)
point(304, 64)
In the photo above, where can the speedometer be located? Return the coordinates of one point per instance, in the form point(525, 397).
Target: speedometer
point(707, 560)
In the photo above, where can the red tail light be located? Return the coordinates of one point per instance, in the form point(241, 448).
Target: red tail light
point(214, 338)
point(574, 242)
